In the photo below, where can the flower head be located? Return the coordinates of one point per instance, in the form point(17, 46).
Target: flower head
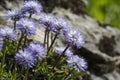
point(46, 20)
point(1, 44)
point(26, 26)
point(59, 50)
point(38, 49)
point(8, 33)
point(77, 62)
point(60, 26)
point(75, 38)
point(32, 7)
point(14, 15)
point(26, 58)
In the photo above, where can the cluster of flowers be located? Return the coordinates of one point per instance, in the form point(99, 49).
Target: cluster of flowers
point(25, 26)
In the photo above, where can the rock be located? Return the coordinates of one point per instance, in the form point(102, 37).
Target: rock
point(99, 40)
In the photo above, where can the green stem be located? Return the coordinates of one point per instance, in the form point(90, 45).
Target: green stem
point(52, 43)
point(30, 16)
point(26, 74)
point(15, 25)
point(60, 56)
point(19, 43)
point(51, 36)
point(25, 41)
point(21, 73)
point(48, 39)
point(14, 71)
point(45, 37)
point(3, 59)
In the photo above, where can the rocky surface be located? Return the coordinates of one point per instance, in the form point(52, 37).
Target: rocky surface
point(102, 45)
point(102, 48)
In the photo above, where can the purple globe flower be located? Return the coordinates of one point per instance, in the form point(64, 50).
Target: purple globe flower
point(1, 44)
point(8, 33)
point(32, 7)
point(60, 26)
point(26, 58)
point(59, 50)
point(74, 38)
point(46, 20)
point(38, 49)
point(14, 15)
point(77, 62)
point(26, 26)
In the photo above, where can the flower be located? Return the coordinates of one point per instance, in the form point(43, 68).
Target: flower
point(46, 20)
point(32, 7)
point(14, 15)
point(59, 50)
point(77, 62)
point(74, 38)
point(1, 44)
point(8, 33)
point(38, 49)
point(26, 26)
point(26, 58)
point(60, 26)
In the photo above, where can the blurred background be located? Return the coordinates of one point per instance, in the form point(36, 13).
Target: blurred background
point(107, 11)
point(104, 11)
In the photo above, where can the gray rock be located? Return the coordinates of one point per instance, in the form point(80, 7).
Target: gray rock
point(100, 61)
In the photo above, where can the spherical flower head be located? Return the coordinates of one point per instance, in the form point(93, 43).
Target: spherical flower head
point(59, 50)
point(74, 38)
point(14, 15)
point(26, 26)
point(38, 49)
point(46, 20)
point(77, 62)
point(26, 58)
point(32, 7)
point(8, 33)
point(60, 26)
point(1, 44)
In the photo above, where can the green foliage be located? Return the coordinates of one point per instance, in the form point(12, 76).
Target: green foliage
point(105, 11)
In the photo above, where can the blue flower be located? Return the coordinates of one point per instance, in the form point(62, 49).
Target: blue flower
point(74, 38)
point(26, 58)
point(46, 20)
point(32, 7)
point(38, 49)
point(59, 50)
point(26, 26)
point(8, 33)
point(1, 44)
point(60, 26)
point(77, 62)
point(14, 15)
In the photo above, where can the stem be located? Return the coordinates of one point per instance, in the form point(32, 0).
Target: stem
point(45, 37)
point(69, 75)
point(61, 56)
point(25, 40)
point(52, 43)
point(15, 70)
point(26, 74)
point(48, 39)
point(19, 43)
point(30, 16)
point(21, 72)
point(15, 25)
point(3, 59)
point(51, 36)
point(63, 52)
